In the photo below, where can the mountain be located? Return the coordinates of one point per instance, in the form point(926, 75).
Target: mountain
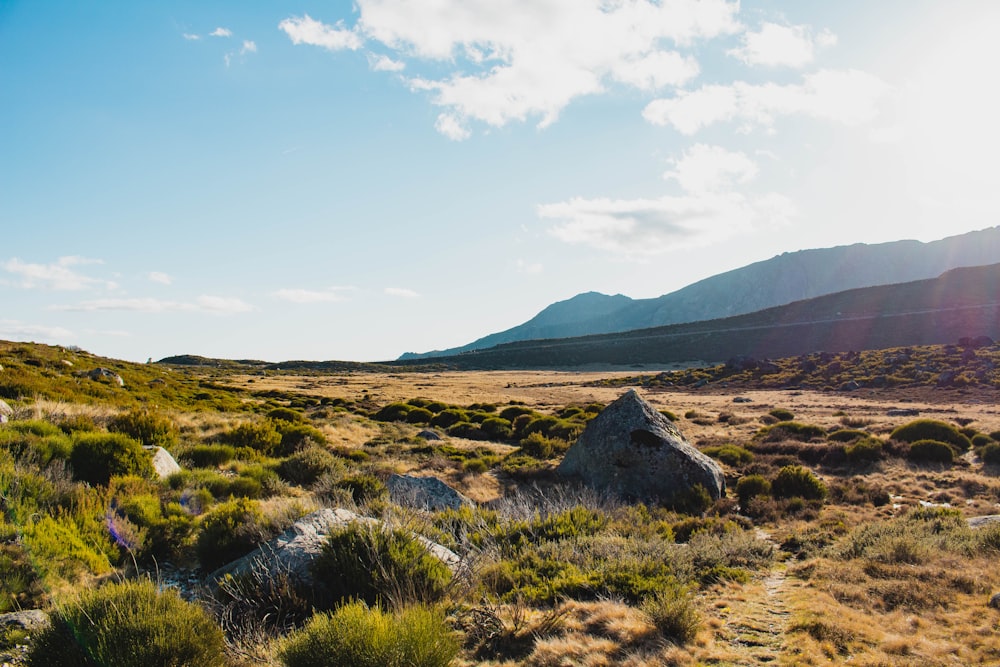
point(780, 280)
point(961, 303)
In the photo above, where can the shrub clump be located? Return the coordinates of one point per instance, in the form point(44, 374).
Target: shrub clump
point(931, 451)
point(128, 624)
point(359, 636)
point(931, 429)
point(261, 436)
point(672, 611)
point(797, 482)
point(230, 530)
point(307, 466)
point(151, 429)
point(378, 566)
point(732, 455)
point(97, 457)
point(752, 486)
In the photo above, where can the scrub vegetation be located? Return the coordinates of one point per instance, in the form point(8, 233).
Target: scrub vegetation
point(844, 534)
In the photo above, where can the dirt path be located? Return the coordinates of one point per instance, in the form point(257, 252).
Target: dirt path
point(751, 625)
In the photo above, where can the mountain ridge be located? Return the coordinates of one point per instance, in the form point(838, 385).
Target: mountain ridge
point(783, 279)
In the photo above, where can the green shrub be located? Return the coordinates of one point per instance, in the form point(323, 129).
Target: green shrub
point(931, 451)
point(542, 447)
point(128, 624)
point(981, 440)
point(732, 455)
point(864, 450)
point(930, 429)
point(377, 566)
point(296, 436)
point(209, 456)
point(151, 429)
point(74, 423)
point(230, 530)
point(752, 486)
point(307, 466)
point(782, 415)
point(672, 611)
point(797, 482)
point(259, 436)
point(419, 416)
point(496, 428)
point(357, 636)
point(364, 488)
point(846, 435)
point(96, 457)
point(513, 412)
point(990, 454)
point(789, 430)
point(448, 418)
point(34, 427)
point(286, 415)
point(394, 412)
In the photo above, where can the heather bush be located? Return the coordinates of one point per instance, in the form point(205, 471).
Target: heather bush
point(846, 435)
point(96, 457)
point(228, 531)
point(931, 451)
point(790, 430)
point(797, 482)
point(732, 455)
point(259, 436)
point(208, 456)
point(782, 415)
point(377, 566)
point(930, 429)
point(673, 613)
point(448, 418)
point(358, 636)
point(308, 465)
point(864, 450)
point(129, 624)
point(286, 415)
point(752, 486)
point(990, 454)
point(151, 429)
point(364, 488)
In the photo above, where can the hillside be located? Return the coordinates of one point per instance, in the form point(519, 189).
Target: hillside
point(780, 280)
point(960, 303)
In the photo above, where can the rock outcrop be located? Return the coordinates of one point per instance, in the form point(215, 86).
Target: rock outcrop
point(163, 463)
point(632, 450)
point(291, 554)
point(425, 493)
point(5, 411)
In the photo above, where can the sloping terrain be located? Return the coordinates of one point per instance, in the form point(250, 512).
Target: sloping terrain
point(780, 280)
point(960, 303)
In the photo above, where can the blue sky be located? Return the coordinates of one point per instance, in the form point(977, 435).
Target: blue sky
point(336, 180)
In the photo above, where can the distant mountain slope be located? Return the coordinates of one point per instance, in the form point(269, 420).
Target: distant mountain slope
point(960, 303)
point(780, 280)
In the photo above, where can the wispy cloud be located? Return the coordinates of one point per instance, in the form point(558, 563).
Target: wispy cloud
point(330, 295)
point(401, 292)
point(383, 63)
point(59, 275)
point(249, 46)
point(777, 45)
point(849, 97)
point(306, 30)
point(221, 32)
point(711, 169)
point(191, 37)
point(160, 277)
point(203, 304)
point(16, 330)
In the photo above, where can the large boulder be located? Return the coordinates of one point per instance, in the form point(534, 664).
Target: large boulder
point(163, 462)
point(425, 493)
point(632, 450)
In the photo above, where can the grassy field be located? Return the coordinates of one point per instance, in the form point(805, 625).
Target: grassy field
point(865, 558)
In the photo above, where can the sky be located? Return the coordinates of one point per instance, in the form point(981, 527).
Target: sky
point(355, 180)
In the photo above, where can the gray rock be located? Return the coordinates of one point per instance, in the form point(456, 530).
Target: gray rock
point(5, 409)
point(428, 434)
point(980, 521)
point(742, 399)
point(291, 554)
point(995, 601)
point(163, 463)
point(425, 493)
point(903, 412)
point(104, 373)
point(29, 620)
point(632, 450)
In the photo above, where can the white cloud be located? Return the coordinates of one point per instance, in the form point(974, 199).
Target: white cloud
point(383, 63)
point(711, 169)
point(16, 330)
point(56, 276)
point(203, 304)
point(782, 45)
point(221, 32)
point(191, 37)
point(849, 97)
point(451, 127)
point(401, 292)
point(311, 296)
point(306, 30)
point(248, 47)
point(160, 277)
point(647, 227)
point(524, 59)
